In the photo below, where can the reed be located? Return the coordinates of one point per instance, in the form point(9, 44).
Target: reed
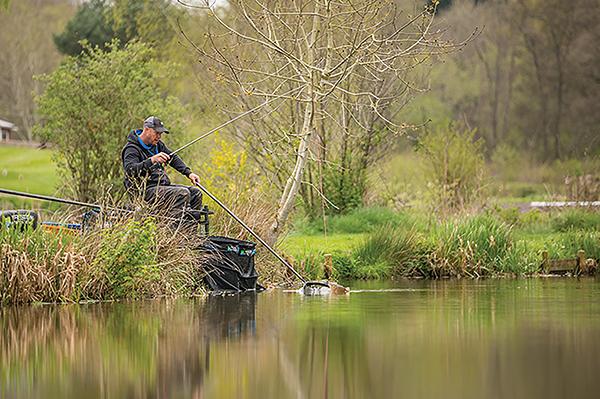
point(391, 250)
point(131, 256)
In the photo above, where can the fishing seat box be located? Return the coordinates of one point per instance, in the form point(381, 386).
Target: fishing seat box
point(229, 265)
point(20, 219)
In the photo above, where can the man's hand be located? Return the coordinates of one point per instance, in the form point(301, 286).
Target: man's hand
point(161, 157)
point(194, 178)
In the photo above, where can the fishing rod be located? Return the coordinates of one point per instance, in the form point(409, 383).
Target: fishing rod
point(233, 120)
point(52, 199)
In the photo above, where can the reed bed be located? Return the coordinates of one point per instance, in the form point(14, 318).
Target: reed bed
point(489, 244)
point(129, 256)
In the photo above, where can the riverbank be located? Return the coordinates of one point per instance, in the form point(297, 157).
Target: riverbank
point(131, 259)
point(135, 259)
point(379, 244)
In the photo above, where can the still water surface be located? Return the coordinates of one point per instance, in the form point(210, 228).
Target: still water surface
point(422, 339)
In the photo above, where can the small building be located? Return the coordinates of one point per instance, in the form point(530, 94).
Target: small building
point(6, 130)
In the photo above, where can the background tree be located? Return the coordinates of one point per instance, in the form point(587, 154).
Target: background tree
point(90, 104)
point(100, 21)
point(27, 50)
point(336, 70)
point(527, 79)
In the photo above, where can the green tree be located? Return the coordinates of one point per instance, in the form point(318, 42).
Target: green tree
point(100, 21)
point(90, 104)
point(92, 23)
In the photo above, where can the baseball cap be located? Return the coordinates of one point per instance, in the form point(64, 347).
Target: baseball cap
point(156, 124)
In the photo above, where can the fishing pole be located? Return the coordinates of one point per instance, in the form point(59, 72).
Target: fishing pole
point(52, 199)
point(233, 120)
point(96, 207)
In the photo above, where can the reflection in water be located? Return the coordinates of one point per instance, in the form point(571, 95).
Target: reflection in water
point(492, 339)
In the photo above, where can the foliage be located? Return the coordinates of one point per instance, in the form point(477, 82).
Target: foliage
point(319, 143)
point(38, 266)
point(471, 246)
point(89, 106)
point(346, 190)
point(128, 257)
point(226, 169)
point(577, 220)
point(565, 245)
point(90, 24)
point(99, 22)
point(389, 251)
point(360, 220)
point(454, 167)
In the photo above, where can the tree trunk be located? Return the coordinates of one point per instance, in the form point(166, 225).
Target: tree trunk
point(292, 186)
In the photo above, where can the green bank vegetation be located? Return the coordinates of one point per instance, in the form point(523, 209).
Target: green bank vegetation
point(498, 242)
point(130, 259)
point(404, 185)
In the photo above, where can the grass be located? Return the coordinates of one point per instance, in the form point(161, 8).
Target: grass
point(300, 243)
point(28, 169)
point(129, 259)
point(358, 221)
point(500, 241)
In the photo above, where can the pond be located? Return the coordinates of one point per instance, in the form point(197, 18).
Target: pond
point(537, 338)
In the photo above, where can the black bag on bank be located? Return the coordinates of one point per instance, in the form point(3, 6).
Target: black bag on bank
point(230, 265)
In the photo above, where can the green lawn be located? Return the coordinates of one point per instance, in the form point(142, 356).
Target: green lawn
point(300, 244)
point(27, 169)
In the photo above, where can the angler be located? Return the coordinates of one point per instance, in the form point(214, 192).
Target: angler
point(144, 159)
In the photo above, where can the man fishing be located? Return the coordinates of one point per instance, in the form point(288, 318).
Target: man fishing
point(144, 159)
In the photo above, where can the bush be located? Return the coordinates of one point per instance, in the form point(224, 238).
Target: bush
point(577, 219)
point(128, 257)
point(89, 106)
point(454, 168)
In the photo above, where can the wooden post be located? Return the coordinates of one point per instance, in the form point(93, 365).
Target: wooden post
point(328, 267)
point(581, 264)
point(545, 262)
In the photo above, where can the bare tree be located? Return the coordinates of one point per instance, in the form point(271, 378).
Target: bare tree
point(27, 50)
point(339, 71)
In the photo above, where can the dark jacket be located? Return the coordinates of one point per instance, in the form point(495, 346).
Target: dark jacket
point(138, 167)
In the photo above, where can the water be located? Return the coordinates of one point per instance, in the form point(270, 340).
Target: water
point(442, 339)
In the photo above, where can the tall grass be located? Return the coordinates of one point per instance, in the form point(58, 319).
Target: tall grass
point(469, 246)
point(473, 246)
point(389, 251)
point(577, 219)
point(127, 259)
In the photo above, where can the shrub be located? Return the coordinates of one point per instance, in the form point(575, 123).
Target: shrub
point(128, 257)
point(454, 167)
point(90, 104)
